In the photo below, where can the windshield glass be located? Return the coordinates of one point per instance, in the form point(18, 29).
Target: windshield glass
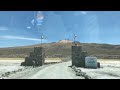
point(59, 39)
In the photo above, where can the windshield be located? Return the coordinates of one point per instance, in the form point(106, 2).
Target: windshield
point(59, 39)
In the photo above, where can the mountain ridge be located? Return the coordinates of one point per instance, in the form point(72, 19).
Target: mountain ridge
point(63, 49)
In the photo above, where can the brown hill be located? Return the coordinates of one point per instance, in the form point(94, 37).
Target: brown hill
point(63, 50)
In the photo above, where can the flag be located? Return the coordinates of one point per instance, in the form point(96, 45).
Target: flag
point(42, 37)
point(75, 35)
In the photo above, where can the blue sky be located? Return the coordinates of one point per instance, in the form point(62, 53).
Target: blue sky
point(19, 28)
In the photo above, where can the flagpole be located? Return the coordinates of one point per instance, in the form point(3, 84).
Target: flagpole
point(42, 37)
point(74, 38)
point(41, 41)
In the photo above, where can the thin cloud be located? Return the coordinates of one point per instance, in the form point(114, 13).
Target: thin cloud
point(40, 15)
point(21, 38)
point(3, 28)
point(83, 12)
point(28, 27)
point(33, 22)
point(78, 13)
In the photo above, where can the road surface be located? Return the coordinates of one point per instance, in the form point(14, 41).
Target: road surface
point(55, 71)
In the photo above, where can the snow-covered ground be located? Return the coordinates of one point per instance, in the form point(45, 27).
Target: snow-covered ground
point(110, 69)
point(9, 66)
point(12, 66)
point(51, 71)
